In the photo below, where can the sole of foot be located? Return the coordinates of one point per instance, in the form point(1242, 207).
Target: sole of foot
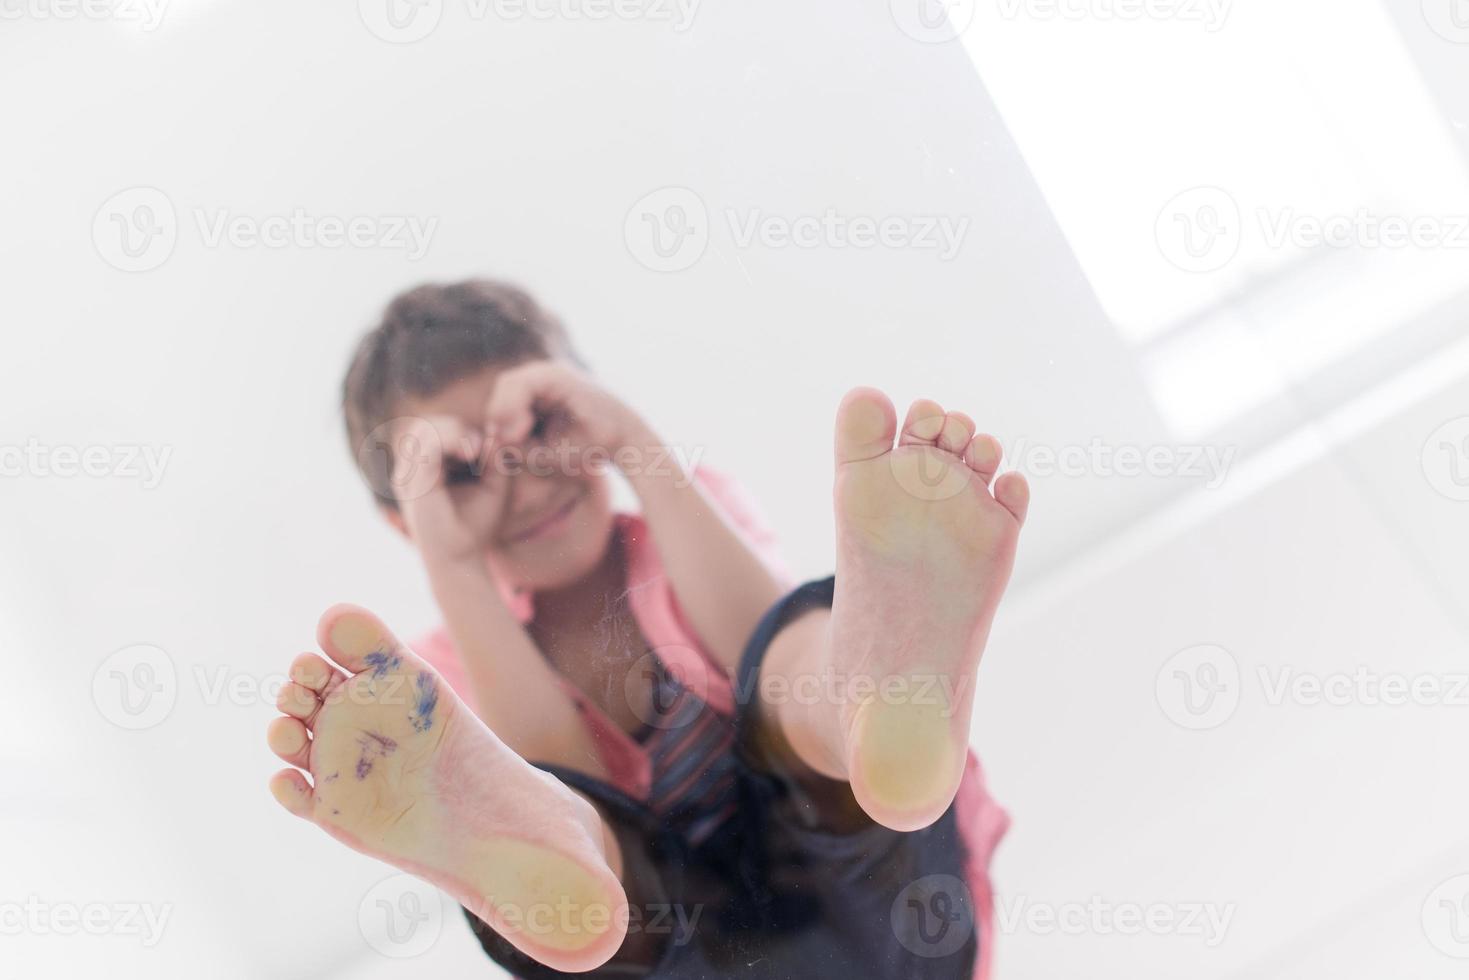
point(391, 763)
point(925, 546)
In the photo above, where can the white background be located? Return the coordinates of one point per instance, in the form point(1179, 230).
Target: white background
point(1333, 545)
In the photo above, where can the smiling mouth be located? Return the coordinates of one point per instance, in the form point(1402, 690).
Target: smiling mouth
point(551, 522)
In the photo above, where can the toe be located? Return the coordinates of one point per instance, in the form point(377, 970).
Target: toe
point(351, 636)
point(313, 672)
point(1013, 492)
point(983, 457)
point(297, 701)
point(292, 791)
point(866, 425)
point(955, 435)
point(287, 739)
point(924, 423)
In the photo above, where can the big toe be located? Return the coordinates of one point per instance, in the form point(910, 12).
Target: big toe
point(866, 425)
point(357, 640)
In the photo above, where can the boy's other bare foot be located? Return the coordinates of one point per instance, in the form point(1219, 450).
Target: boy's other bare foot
point(402, 771)
point(924, 551)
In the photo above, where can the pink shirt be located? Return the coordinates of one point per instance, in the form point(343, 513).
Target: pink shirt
point(981, 821)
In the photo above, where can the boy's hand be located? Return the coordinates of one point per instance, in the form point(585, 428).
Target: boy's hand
point(553, 402)
point(451, 499)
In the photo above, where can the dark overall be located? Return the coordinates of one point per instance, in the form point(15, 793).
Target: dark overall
point(771, 892)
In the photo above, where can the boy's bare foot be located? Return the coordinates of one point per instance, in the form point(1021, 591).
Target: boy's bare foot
point(402, 771)
point(924, 551)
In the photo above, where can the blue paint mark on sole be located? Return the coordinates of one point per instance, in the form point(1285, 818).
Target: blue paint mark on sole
point(380, 662)
point(426, 700)
point(373, 747)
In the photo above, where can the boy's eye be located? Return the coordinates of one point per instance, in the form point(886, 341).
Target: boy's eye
point(548, 424)
point(458, 472)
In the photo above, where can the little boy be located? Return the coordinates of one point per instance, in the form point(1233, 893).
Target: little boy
point(633, 749)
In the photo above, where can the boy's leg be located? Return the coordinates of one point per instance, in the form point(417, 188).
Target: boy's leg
point(403, 771)
point(877, 691)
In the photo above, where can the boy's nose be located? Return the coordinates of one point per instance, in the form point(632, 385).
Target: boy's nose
point(533, 497)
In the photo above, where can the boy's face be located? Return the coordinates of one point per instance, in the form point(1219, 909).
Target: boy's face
point(547, 524)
